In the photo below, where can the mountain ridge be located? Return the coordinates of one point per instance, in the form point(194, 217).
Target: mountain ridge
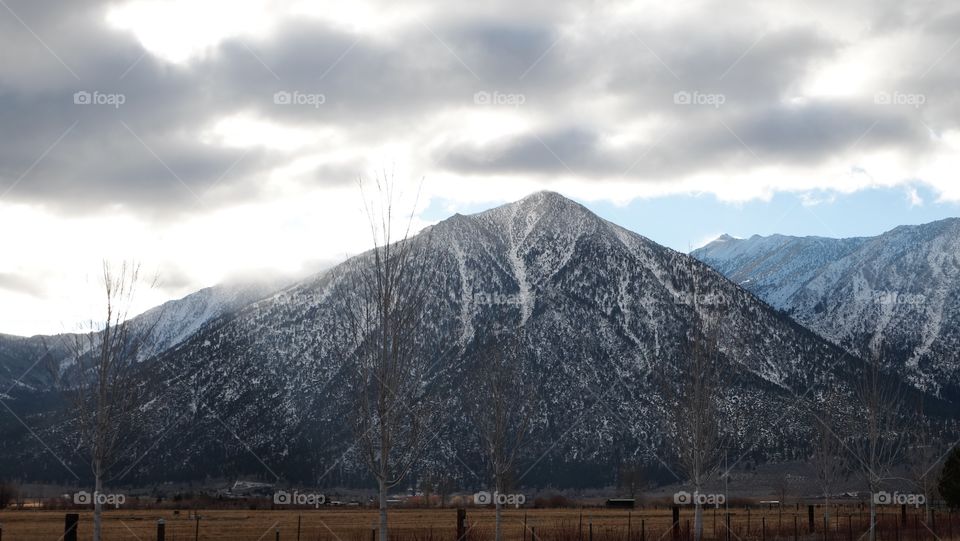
point(609, 314)
point(895, 294)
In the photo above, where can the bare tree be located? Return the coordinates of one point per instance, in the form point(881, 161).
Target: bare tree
point(924, 457)
point(879, 443)
point(828, 450)
point(100, 379)
point(501, 405)
point(693, 410)
point(384, 293)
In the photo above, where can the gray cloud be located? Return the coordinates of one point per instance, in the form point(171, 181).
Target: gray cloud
point(584, 77)
point(740, 138)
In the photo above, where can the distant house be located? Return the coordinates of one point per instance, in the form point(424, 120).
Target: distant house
point(621, 503)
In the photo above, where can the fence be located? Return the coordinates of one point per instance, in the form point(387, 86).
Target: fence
point(845, 523)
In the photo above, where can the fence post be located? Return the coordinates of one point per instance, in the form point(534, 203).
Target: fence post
point(70, 525)
point(629, 513)
point(299, 518)
point(161, 530)
point(196, 530)
point(676, 522)
point(461, 523)
point(796, 528)
point(643, 530)
point(276, 532)
point(763, 528)
point(810, 519)
point(728, 527)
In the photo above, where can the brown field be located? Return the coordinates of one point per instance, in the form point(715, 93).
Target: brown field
point(847, 524)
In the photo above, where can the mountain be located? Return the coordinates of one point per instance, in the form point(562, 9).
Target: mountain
point(896, 295)
point(610, 319)
point(23, 364)
point(609, 316)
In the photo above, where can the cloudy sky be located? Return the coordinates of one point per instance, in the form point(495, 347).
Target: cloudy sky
point(222, 139)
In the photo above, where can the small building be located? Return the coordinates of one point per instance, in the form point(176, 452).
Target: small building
point(621, 503)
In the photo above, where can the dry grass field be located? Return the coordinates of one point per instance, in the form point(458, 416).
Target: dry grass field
point(848, 524)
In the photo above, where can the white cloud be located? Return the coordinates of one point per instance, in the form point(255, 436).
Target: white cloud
point(179, 30)
point(400, 81)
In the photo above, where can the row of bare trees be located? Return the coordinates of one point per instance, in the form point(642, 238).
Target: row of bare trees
point(391, 366)
point(875, 430)
point(393, 353)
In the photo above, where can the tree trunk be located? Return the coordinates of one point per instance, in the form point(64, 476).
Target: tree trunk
point(873, 518)
point(498, 486)
point(499, 532)
point(697, 518)
point(97, 506)
point(383, 509)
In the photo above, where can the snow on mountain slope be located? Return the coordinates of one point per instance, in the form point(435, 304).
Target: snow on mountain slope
point(896, 295)
point(22, 364)
point(609, 315)
point(774, 267)
point(177, 320)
